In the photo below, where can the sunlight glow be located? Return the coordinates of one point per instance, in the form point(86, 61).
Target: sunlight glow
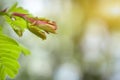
point(115, 10)
point(111, 9)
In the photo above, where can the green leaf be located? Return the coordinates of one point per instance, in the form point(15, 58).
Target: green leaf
point(0, 29)
point(9, 40)
point(2, 72)
point(18, 24)
point(15, 8)
point(9, 54)
point(9, 60)
point(10, 73)
point(24, 50)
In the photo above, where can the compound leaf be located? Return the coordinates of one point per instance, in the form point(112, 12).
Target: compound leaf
point(9, 53)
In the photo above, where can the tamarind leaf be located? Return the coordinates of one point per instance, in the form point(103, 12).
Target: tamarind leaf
point(9, 53)
point(16, 8)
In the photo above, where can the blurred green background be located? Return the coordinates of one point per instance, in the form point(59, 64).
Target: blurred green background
point(86, 46)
